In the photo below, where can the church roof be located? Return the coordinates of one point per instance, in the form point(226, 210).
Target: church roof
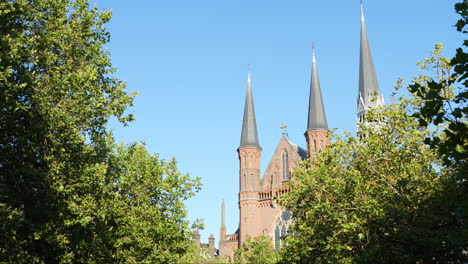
point(368, 84)
point(249, 136)
point(300, 151)
point(317, 117)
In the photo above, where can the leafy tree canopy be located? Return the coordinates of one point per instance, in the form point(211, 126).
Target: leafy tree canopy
point(399, 194)
point(383, 198)
point(68, 194)
point(258, 250)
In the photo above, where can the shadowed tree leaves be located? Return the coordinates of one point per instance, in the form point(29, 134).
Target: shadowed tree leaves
point(67, 193)
point(444, 100)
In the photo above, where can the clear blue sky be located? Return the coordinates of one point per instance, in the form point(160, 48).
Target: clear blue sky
point(188, 59)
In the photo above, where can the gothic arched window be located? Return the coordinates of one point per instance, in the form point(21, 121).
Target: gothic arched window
point(285, 166)
point(281, 230)
point(277, 238)
point(251, 181)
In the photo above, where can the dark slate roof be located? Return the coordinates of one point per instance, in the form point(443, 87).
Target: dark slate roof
point(300, 151)
point(249, 136)
point(368, 84)
point(317, 117)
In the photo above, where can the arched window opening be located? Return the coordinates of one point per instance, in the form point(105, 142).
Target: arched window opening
point(245, 182)
point(285, 166)
point(281, 230)
point(251, 181)
point(277, 238)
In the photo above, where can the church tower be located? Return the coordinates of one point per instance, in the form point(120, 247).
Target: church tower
point(317, 134)
point(369, 93)
point(249, 170)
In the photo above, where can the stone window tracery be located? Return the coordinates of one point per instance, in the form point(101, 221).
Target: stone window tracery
point(281, 229)
point(285, 166)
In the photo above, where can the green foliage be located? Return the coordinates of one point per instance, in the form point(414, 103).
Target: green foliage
point(197, 255)
point(67, 193)
point(257, 251)
point(136, 209)
point(443, 101)
point(398, 194)
point(384, 198)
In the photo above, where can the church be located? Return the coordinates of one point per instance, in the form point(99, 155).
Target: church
point(258, 212)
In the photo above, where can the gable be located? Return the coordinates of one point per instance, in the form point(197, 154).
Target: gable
point(286, 156)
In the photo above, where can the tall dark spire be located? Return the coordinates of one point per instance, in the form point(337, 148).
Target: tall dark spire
point(249, 137)
point(317, 117)
point(369, 93)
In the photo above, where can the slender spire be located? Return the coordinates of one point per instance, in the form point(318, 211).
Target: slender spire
point(317, 117)
point(249, 137)
point(362, 12)
point(368, 84)
point(223, 215)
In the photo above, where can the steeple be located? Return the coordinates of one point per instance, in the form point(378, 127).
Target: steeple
point(249, 136)
point(317, 134)
point(249, 170)
point(223, 216)
point(317, 118)
point(222, 232)
point(369, 93)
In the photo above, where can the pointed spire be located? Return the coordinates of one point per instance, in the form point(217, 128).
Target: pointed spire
point(368, 84)
point(223, 216)
point(317, 117)
point(249, 137)
point(362, 12)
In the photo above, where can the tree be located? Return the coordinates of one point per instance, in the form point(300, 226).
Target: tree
point(443, 101)
point(134, 211)
point(68, 194)
point(383, 198)
point(256, 251)
point(198, 255)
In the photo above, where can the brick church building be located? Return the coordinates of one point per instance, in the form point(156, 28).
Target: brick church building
point(259, 214)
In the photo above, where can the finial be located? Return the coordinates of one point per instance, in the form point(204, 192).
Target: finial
point(362, 12)
point(313, 51)
point(283, 129)
point(248, 76)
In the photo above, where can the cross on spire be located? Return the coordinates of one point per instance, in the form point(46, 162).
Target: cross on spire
point(283, 129)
